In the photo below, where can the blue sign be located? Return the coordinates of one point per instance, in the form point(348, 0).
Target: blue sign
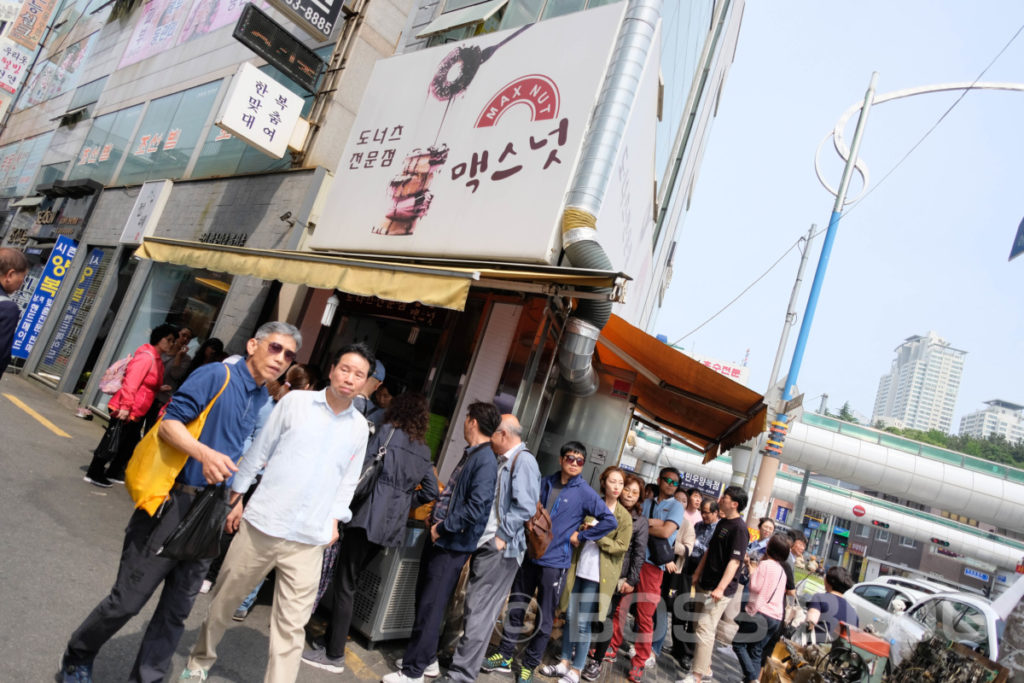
point(74, 305)
point(781, 514)
point(975, 574)
point(813, 524)
point(39, 305)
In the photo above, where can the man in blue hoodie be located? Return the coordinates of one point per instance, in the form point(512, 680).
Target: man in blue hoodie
point(456, 525)
point(568, 499)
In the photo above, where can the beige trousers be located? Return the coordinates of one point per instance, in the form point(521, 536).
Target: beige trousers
point(250, 557)
point(707, 624)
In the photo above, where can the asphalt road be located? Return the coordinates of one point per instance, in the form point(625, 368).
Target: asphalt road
point(60, 541)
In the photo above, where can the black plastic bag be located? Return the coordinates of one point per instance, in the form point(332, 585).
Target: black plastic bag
point(197, 536)
point(110, 443)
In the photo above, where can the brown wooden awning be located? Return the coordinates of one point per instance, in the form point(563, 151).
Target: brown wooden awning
point(681, 396)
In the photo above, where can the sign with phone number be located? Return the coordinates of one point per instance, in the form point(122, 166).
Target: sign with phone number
point(316, 17)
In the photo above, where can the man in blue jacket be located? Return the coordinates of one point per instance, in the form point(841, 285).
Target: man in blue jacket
point(456, 525)
point(568, 499)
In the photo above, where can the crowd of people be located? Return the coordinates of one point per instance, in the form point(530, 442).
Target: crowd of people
point(340, 468)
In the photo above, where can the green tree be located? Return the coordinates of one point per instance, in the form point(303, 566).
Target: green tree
point(846, 414)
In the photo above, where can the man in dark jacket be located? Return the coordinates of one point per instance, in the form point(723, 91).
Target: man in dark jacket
point(459, 518)
point(568, 499)
point(13, 269)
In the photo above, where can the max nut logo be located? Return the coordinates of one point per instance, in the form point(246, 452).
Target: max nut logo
point(535, 91)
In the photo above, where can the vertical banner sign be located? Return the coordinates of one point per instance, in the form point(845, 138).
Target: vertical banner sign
point(42, 300)
point(260, 110)
point(27, 29)
point(149, 206)
point(74, 304)
point(14, 60)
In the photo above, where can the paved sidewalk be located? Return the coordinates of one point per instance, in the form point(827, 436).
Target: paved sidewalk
point(60, 541)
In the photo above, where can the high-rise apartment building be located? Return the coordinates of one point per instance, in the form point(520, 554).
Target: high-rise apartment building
point(919, 392)
point(1001, 417)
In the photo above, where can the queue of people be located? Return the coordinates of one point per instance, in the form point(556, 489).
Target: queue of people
point(672, 559)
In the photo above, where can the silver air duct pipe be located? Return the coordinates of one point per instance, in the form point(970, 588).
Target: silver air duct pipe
point(583, 203)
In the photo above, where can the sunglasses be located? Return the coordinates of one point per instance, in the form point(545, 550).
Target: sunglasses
point(573, 460)
point(276, 348)
point(670, 481)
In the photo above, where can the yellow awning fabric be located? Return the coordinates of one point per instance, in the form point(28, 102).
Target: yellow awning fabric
point(680, 396)
point(434, 282)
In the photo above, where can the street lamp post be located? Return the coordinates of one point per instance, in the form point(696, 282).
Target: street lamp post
point(777, 432)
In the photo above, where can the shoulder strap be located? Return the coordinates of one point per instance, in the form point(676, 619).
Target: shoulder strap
point(382, 450)
point(209, 406)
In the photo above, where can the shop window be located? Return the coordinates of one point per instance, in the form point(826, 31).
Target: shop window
point(57, 75)
point(175, 294)
point(168, 135)
point(106, 143)
point(19, 163)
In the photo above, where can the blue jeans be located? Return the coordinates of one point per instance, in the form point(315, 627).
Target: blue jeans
point(248, 602)
point(583, 607)
point(754, 633)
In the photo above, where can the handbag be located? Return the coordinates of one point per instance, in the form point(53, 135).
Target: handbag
point(368, 478)
point(538, 532)
point(155, 464)
point(198, 534)
point(110, 443)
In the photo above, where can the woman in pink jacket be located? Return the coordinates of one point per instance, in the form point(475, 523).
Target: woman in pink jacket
point(142, 379)
point(763, 614)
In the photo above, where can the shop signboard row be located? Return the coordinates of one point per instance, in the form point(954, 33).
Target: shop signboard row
point(467, 149)
point(39, 305)
point(74, 305)
point(260, 111)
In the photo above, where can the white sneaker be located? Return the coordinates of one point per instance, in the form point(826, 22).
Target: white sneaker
point(632, 651)
point(207, 585)
point(399, 677)
point(689, 678)
point(433, 670)
point(193, 675)
point(651, 661)
point(553, 670)
point(569, 677)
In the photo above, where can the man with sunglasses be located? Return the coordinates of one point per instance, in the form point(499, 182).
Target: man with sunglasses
point(312, 446)
point(212, 459)
point(665, 517)
point(568, 499)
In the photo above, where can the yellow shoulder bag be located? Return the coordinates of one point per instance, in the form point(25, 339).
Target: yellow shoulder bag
point(155, 464)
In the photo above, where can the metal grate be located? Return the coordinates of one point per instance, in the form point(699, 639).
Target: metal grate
point(401, 611)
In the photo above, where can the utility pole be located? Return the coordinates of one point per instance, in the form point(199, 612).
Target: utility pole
point(772, 392)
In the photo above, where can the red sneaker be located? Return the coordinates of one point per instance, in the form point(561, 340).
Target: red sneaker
point(636, 674)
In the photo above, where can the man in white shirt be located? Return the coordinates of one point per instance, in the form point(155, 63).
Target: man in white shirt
point(312, 447)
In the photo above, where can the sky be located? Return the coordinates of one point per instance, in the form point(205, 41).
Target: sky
point(925, 250)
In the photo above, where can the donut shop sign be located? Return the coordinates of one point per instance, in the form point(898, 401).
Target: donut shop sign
point(467, 149)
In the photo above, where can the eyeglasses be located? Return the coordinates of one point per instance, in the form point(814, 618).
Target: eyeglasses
point(670, 481)
point(276, 348)
point(574, 460)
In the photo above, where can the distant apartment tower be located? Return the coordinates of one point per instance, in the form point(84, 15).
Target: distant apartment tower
point(1001, 417)
point(919, 392)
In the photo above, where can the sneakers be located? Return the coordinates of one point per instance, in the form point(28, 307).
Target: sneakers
point(115, 478)
point(321, 660)
point(592, 670)
point(688, 678)
point(636, 674)
point(651, 661)
point(433, 669)
point(207, 585)
point(399, 677)
point(632, 651)
point(498, 663)
point(569, 677)
point(525, 675)
point(553, 670)
point(74, 673)
point(611, 654)
point(240, 614)
point(98, 480)
point(192, 675)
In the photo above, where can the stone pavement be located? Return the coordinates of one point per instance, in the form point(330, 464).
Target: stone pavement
point(60, 541)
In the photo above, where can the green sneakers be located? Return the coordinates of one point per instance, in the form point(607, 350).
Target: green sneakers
point(498, 663)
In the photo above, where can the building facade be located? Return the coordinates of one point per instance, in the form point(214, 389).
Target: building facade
point(919, 391)
point(1001, 418)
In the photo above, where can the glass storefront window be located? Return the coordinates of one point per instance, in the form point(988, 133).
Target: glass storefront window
point(105, 145)
point(19, 163)
point(174, 294)
point(168, 135)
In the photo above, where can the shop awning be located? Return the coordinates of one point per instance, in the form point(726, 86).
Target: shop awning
point(28, 201)
point(680, 396)
point(434, 282)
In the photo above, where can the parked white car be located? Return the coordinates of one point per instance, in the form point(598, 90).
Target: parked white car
point(960, 617)
point(876, 602)
point(925, 586)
